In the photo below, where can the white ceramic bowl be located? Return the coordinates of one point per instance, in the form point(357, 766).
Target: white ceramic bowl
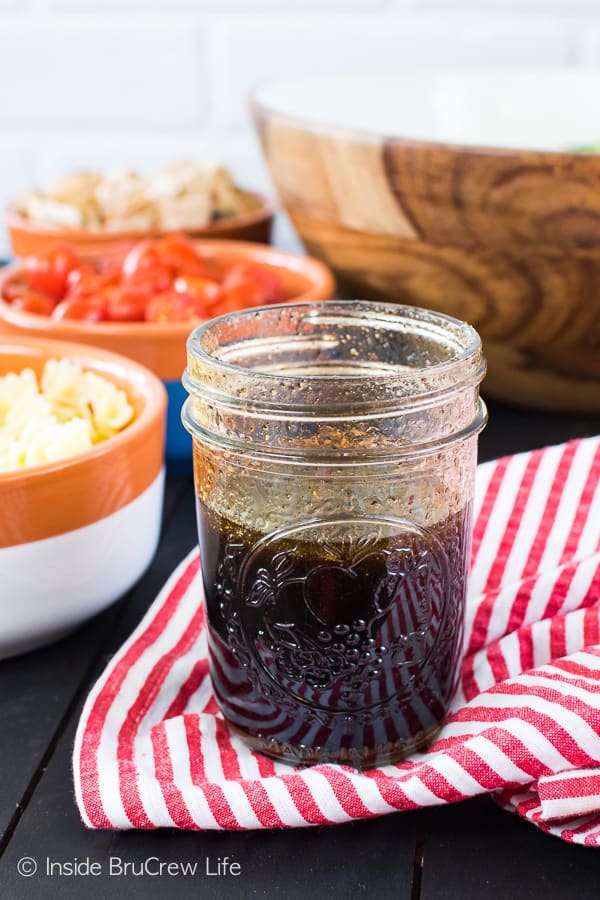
point(76, 534)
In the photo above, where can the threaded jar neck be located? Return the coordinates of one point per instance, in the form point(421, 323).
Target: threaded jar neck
point(334, 379)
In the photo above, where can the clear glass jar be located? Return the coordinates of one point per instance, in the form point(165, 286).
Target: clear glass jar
point(335, 447)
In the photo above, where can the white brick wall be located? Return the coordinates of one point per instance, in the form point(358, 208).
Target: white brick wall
point(520, 6)
point(108, 83)
point(248, 54)
point(222, 6)
point(66, 72)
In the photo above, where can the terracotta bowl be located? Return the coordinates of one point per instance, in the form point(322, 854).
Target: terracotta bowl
point(162, 347)
point(78, 533)
point(28, 238)
point(411, 189)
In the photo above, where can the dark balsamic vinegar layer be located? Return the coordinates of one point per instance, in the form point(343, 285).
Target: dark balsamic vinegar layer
point(335, 642)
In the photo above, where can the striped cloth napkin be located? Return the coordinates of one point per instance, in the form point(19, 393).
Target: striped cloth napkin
point(152, 749)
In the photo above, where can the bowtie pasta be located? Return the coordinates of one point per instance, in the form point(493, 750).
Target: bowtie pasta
point(68, 412)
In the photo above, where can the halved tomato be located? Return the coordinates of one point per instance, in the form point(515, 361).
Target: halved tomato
point(48, 273)
point(179, 253)
point(154, 279)
point(205, 290)
point(172, 306)
point(15, 286)
point(261, 277)
point(34, 302)
point(84, 309)
point(241, 296)
point(127, 303)
point(86, 282)
point(143, 255)
point(81, 272)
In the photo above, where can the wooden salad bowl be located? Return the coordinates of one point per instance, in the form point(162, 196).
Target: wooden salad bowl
point(506, 239)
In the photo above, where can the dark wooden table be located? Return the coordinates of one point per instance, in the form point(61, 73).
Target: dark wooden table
point(471, 850)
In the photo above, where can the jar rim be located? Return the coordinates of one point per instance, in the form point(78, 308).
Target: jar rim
point(393, 313)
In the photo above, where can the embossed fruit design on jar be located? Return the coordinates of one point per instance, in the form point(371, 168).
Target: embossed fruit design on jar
point(334, 455)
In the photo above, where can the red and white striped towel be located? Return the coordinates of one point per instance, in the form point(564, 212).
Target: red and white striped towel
point(152, 750)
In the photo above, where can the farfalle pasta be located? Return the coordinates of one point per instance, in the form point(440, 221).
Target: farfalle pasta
point(67, 412)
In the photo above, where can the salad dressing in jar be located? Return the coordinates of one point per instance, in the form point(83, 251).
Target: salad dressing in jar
point(334, 456)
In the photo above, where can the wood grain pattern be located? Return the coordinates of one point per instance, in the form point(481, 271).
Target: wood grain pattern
point(509, 241)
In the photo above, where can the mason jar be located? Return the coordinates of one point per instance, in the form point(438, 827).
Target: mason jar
point(335, 447)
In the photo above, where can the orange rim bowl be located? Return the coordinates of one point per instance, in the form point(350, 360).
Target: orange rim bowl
point(161, 347)
point(47, 500)
point(28, 238)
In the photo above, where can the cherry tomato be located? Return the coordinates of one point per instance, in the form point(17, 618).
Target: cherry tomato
point(241, 296)
point(64, 260)
point(143, 255)
point(127, 303)
point(205, 290)
point(157, 281)
point(179, 253)
point(172, 306)
point(88, 288)
point(86, 282)
point(154, 279)
point(34, 302)
point(83, 272)
point(111, 262)
point(85, 309)
point(48, 273)
point(15, 286)
point(261, 277)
